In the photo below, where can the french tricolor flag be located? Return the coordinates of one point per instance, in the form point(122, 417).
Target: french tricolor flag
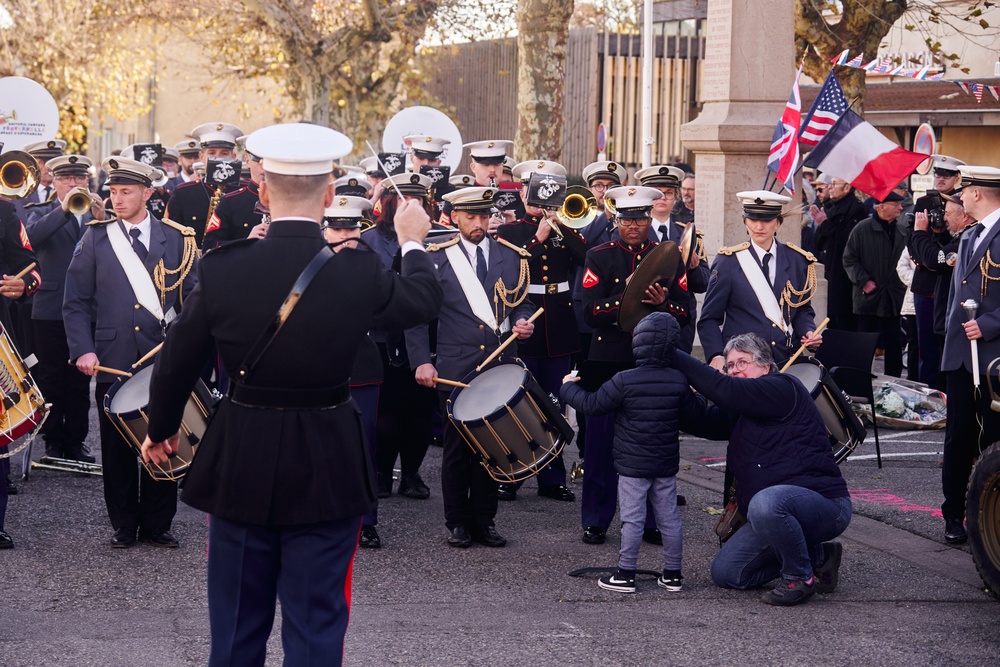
point(858, 153)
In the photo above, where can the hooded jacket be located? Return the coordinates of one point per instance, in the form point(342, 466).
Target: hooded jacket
point(647, 401)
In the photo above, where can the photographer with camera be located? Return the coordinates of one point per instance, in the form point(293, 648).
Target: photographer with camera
point(929, 220)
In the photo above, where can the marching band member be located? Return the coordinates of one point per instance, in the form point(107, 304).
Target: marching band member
point(608, 269)
point(352, 185)
point(668, 181)
point(485, 283)
point(188, 152)
point(342, 227)
point(189, 203)
point(554, 258)
point(760, 286)
point(283, 470)
point(54, 232)
point(42, 151)
point(171, 167)
point(425, 149)
point(239, 214)
point(126, 282)
point(486, 162)
point(404, 423)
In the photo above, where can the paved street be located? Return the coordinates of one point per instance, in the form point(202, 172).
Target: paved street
point(904, 599)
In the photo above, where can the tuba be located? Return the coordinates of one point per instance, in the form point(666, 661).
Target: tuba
point(579, 209)
point(19, 175)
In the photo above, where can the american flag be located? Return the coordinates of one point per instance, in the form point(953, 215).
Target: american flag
point(830, 105)
point(783, 159)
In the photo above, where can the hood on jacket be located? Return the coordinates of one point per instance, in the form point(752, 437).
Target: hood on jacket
point(654, 340)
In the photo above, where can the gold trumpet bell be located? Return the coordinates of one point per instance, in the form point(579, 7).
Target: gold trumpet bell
point(579, 209)
point(19, 175)
point(79, 201)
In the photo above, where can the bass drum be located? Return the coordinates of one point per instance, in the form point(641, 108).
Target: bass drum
point(843, 426)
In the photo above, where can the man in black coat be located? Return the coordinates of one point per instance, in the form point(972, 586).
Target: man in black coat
point(239, 214)
point(841, 211)
point(283, 469)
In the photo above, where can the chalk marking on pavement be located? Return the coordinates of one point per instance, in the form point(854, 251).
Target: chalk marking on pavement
point(882, 497)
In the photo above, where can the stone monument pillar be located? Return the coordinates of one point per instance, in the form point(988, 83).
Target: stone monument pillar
point(747, 75)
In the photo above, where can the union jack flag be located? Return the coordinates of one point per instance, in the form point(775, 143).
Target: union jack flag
point(829, 106)
point(784, 155)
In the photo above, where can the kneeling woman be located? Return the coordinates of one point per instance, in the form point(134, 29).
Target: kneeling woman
point(787, 482)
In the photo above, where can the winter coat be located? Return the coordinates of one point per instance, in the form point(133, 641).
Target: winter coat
point(872, 251)
point(647, 401)
point(830, 240)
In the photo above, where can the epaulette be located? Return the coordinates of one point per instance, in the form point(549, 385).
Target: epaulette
point(734, 248)
point(233, 193)
point(36, 203)
point(805, 253)
point(101, 222)
point(183, 229)
point(434, 247)
point(516, 248)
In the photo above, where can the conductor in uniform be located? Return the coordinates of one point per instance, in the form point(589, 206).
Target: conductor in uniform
point(283, 469)
point(760, 286)
point(485, 283)
point(127, 281)
point(971, 425)
point(554, 258)
point(189, 202)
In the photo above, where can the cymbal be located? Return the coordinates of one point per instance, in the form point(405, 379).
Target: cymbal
point(686, 245)
point(659, 265)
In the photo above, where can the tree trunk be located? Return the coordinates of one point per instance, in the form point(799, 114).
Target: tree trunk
point(316, 96)
point(542, 35)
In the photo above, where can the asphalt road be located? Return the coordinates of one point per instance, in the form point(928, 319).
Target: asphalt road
point(905, 598)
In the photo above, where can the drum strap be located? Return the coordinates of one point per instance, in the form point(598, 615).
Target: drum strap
point(768, 302)
point(270, 332)
point(138, 277)
point(475, 294)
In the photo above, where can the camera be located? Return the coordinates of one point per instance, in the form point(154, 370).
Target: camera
point(933, 205)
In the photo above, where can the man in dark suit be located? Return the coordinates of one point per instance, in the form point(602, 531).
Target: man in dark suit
point(54, 232)
point(283, 470)
point(126, 282)
point(971, 424)
point(480, 305)
point(760, 286)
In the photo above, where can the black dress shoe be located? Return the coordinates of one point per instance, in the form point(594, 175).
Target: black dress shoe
point(489, 537)
point(11, 487)
point(460, 538)
point(79, 453)
point(369, 538)
point(652, 536)
point(954, 532)
point(507, 492)
point(557, 492)
point(595, 535)
point(384, 486)
point(124, 538)
point(412, 486)
point(161, 538)
point(5, 541)
point(681, 500)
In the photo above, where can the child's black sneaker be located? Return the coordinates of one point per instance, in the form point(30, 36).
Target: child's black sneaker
point(622, 581)
point(671, 580)
point(788, 593)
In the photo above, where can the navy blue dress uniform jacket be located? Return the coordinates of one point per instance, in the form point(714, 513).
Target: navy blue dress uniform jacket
point(99, 294)
point(188, 205)
point(731, 306)
point(54, 234)
point(552, 264)
point(237, 213)
point(463, 340)
point(967, 283)
point(598, 232)
point(608, 267)
point(275, 466)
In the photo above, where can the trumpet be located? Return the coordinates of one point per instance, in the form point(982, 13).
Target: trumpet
point(19, 175)
point(79, 201)
point(579, 209)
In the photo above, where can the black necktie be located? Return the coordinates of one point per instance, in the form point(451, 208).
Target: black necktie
point(764, 266)
point(137, 245)
point(664, 234)
point(481, 265)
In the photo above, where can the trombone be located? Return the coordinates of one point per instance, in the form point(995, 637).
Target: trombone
point(19, 175)
point(579, 209)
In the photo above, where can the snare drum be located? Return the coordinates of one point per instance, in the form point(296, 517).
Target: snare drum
point(842, 425)
point(126, 404)
point(23, 408)
point(506, 418)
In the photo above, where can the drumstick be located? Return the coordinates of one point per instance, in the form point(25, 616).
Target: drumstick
point(822, 325)
point(105, 369)
point(146, 357)
point(451, 383)
point(25, 270)
point(507, 342)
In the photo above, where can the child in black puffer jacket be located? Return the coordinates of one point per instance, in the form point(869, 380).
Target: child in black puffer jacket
point(647, 401)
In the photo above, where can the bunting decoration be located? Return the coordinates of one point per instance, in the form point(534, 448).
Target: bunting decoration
point(922, 73)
